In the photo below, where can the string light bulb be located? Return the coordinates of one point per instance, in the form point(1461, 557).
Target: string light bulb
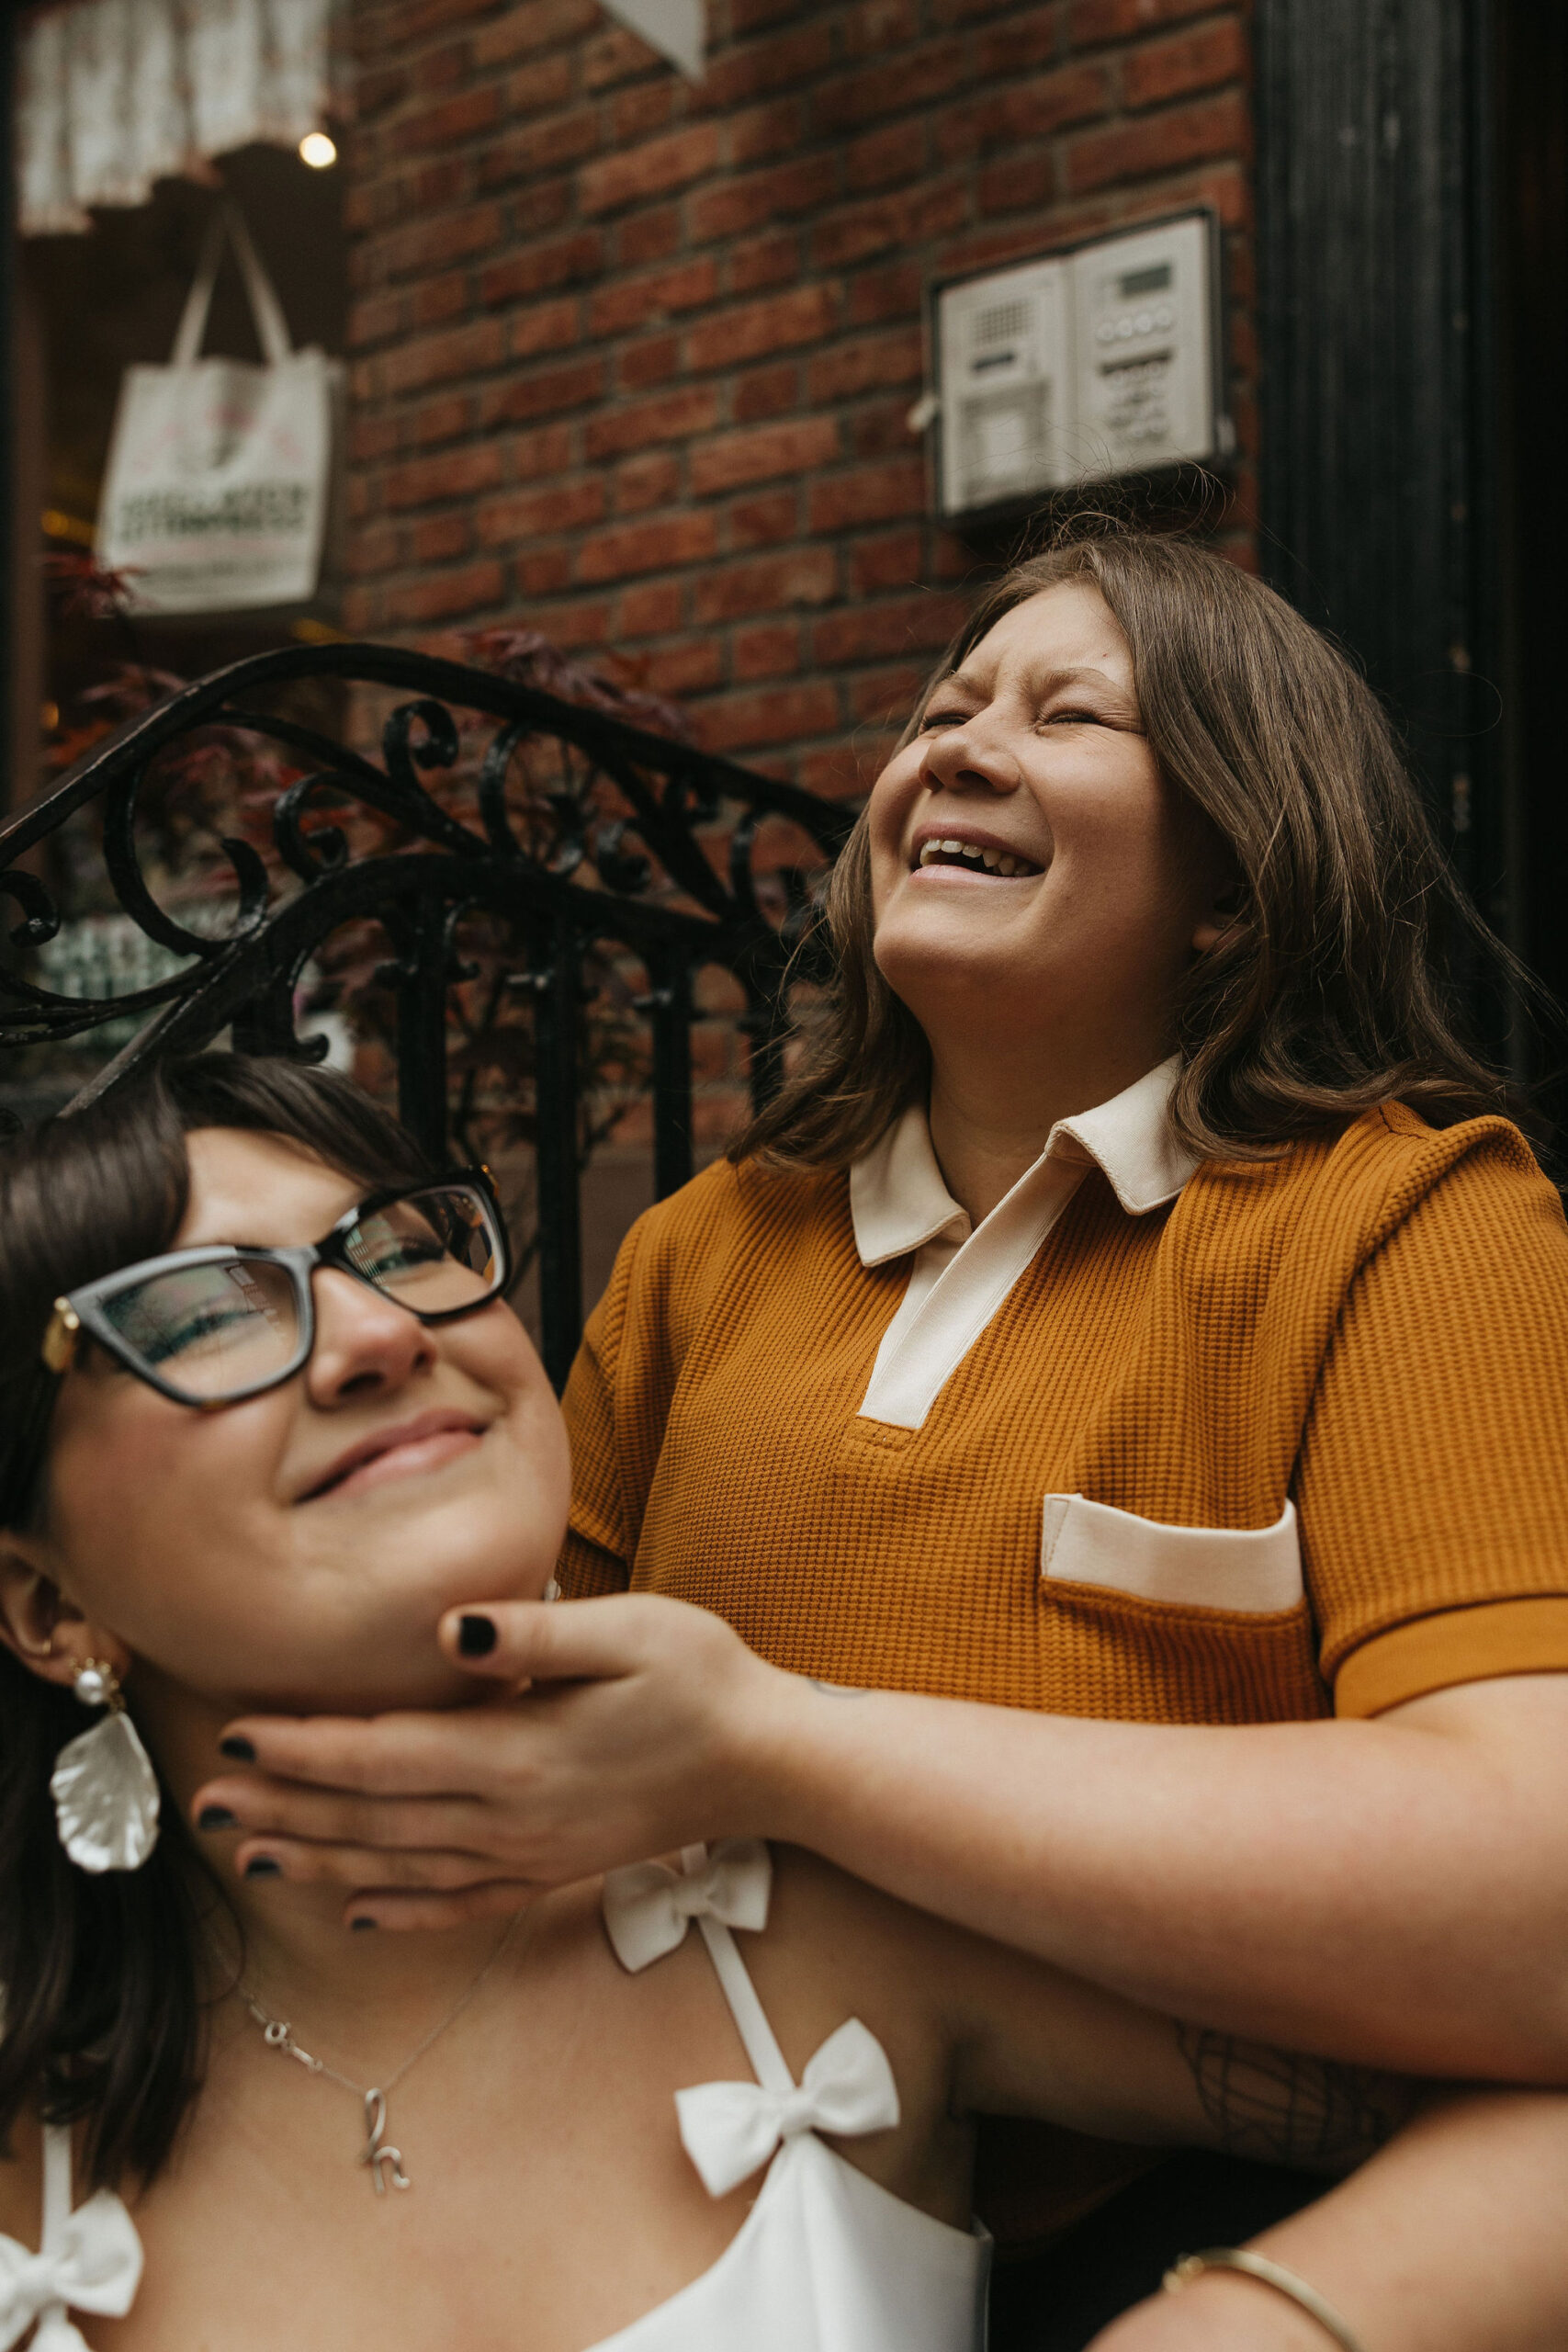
point(317, 149)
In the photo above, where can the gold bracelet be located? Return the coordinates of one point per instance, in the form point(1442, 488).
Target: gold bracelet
point(1269, 2274)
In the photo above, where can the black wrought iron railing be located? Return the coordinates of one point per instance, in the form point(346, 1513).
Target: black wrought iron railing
point(575, 846)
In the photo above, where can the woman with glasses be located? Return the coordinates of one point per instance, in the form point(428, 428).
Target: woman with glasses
point(270, 1432)
point(1130, 1351)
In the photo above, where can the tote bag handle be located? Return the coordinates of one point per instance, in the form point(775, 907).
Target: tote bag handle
point(272, 328)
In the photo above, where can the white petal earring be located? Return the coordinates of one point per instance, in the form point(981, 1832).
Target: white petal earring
point(104, 1787)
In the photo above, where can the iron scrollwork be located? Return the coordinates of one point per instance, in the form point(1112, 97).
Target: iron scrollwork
point(605, 856)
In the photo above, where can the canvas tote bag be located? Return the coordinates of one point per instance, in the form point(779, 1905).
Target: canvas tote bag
point(216, 494)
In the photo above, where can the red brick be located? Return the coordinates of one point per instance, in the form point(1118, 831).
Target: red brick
point(914, 78)
point(765, 522)
point(544, 571)
point(446, 593)
point(895, 292)
point(458, 473)
point(640, 301)
point(1025, 39)
point(803, 53)
point(671, 417)
point(546, 82)
point(652, 480)
point(777, 129)
point(635, 113)
point(886, 697)
point(375, 321)
point(1160, 142)
point(1022, 112)
point(673, 161)
point(890, 560)
point(685, 669)
point(771, 260)
point(533, 457)
point(738, 203)
point(453, 236)
point(544, 326)
point(650, 610)
point(650, 236)
point(566, 261)
point(734, 459)
point(537, 26)
point(443, 420)
point(870, 632)
point(869, 495)
point(438, 358)
point(872, 363)
point(1095, 20)
point(881, 429)
point(772, 650)
point(655, 546)
point(770, 584)
point(772, 716)
point(845, 771)
point(876, 27)
point(1022, 183)
point(545, 393)
point(441, 538)
point(540, 513)
point(371, 438)
point(767, 391)
point(887, 158)
point(450, 124)
point(655, 361)
point(1196, 60)
point(910, 216)
point(754, 329)
point(618, 55)
point(534, 147)
point(368, 552)
point(439, 300)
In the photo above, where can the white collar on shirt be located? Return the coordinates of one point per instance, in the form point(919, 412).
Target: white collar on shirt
point(961, 1274)
point(900, 1200)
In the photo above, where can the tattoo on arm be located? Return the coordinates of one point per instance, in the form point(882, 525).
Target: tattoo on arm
point(1280, 2107)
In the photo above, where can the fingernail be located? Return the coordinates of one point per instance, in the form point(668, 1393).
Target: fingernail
point(215, 1817)
point(476, 1636)
point(358, 1923)
point(238, 1747)
point(263, 1866)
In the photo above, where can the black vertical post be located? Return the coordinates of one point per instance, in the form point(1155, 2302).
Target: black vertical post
point(1375, 313)
point(669, 1005)
point(420, 976)
point(557, 986)
point(16, 531)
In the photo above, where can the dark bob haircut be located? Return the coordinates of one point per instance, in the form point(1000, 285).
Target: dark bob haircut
point(1326, 997)
point(102, 2007)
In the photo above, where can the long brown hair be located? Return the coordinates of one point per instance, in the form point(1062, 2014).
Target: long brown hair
point(102, 2011)
point(1326, 994)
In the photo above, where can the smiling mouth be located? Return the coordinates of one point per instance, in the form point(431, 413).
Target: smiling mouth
point(971, 858)
point(427, 1443)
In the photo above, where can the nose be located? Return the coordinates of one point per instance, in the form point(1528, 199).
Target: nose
point(973, 757)
point(366, 1344)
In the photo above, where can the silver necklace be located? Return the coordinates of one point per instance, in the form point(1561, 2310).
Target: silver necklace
point(377, 2153)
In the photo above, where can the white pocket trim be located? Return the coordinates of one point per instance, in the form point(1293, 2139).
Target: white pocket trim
point(1252, 1569)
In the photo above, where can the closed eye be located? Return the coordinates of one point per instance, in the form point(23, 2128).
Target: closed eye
point(944, 719)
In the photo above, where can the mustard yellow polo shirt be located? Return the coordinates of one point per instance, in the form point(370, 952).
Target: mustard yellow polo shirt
point(1161, 1441)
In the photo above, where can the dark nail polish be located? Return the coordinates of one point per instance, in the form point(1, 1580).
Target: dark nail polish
point(476, 1636)
point(358, 1923)
point(215, 1817)
point(239, 1747)
point(263, 1866)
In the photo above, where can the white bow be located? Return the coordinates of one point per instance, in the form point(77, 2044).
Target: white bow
point(95, 2267)
point(731, 2129)
point(648, 1906)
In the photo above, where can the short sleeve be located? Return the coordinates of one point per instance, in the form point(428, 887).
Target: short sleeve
point(1432, 1481)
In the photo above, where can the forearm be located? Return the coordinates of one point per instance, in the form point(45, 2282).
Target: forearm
point(1355, 1888)
point(1449, 2241)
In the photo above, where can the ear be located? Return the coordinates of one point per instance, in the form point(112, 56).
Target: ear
point(1220, 919)
point(38, 1625)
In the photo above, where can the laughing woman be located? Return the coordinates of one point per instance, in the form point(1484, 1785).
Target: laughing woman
point(1130, 1353)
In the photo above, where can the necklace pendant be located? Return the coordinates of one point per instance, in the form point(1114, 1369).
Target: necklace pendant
point(381, 2159)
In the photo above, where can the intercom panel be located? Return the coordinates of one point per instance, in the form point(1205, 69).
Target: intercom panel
point(1007, 384)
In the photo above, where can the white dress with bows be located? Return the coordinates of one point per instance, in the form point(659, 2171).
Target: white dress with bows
point(825, 2261)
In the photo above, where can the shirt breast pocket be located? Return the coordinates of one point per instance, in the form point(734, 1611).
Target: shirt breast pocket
point(1250, 1570)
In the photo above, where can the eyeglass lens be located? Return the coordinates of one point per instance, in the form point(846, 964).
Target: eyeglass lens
point(216, 1330)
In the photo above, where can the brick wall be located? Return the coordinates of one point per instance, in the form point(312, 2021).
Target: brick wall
point(632, 361)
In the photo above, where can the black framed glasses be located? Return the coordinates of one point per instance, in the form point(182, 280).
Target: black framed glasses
point(210, 1327)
